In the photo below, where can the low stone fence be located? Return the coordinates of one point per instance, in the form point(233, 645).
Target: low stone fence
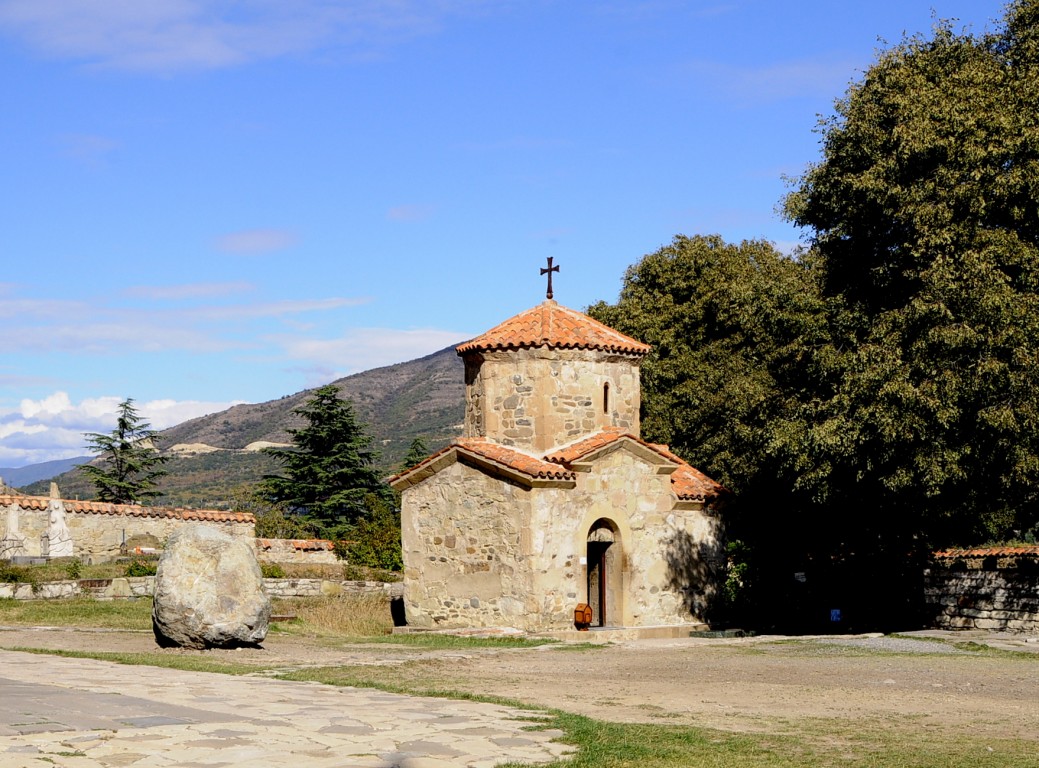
point(99, 589)
point(144, 586)
point(1004, 600)
point(319, 551)
point(319, 587)
point(993, 588)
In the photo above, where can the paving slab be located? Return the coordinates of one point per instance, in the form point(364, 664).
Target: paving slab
point(82, 713)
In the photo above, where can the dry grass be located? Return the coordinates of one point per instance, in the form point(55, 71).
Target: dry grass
point(78, 612)
point(341, 615)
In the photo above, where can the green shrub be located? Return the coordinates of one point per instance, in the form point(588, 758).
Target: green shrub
point(16, 574)
point(375, 540)
point(272, 571)
point(13, 574)
point(74, 569)
point(140, 568)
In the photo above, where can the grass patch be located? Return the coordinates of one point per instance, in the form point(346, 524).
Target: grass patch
point(78, 612)
point(975, 649)
point(438, 641)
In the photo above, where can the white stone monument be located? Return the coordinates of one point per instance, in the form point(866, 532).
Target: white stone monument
point(59, 538)
point(13, 543)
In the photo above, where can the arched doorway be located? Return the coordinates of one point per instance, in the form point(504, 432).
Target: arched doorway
point(604, 573)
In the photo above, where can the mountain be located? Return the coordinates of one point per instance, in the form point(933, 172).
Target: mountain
point(211, 456)
point(43, 471)
point(423, 397)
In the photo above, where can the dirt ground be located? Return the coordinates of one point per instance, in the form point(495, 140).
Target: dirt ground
point(738, 684)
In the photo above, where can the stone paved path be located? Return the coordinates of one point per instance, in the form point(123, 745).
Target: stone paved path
point(80, 713)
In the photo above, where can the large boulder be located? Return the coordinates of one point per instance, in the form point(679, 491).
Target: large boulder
point(209, 592)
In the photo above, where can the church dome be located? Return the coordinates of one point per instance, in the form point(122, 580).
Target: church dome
point(555, 327)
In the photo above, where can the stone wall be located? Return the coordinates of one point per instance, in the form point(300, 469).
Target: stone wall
point(331, 588)
point(536, 399)
point(993, 588)
point(483, 551)
point(144, 586)
point(99, 531)
point(99, 589)
point(317, 551)
point(662, 574)
point(463, 565)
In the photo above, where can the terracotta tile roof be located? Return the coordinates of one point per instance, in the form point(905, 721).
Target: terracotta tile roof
point(990, 552)
point(689, 482)
point(129, 510)
point(551, 325)
point(521, 462)
point(524, 463)
point(583, 447)
point(421, 465)
point(686, 481)
point(300, 545)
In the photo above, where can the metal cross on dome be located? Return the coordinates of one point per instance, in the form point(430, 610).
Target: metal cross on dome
point(548, 271)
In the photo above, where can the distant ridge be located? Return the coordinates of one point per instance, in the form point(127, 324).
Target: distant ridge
point(212, 455)
point(42, 471)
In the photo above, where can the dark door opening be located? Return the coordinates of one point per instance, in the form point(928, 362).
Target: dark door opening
point(597, 575)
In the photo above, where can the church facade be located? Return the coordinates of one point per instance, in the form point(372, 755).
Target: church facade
point(551, 499)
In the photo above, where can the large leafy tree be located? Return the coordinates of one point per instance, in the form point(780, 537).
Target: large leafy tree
point(879, 396)
point(736, 331)
point(330, 471)
point(732, 329)
point(924, 213)
point(128, 465)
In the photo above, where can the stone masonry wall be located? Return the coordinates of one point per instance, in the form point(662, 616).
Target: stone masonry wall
point(661, 547)
point(462, 562)
point(482, 552)
point(99, 537)
point(99, 530)
point(317, 551)
point(537, 399)
point(144, 586)
point(976, 599)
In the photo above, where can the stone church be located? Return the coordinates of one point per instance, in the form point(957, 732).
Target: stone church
point(552, 499)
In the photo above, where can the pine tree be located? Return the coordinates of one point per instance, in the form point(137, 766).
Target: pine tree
point(330, 471)
point(417, 452)
point(128, 463)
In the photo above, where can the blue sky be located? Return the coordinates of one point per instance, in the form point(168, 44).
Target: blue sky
point(216, 202)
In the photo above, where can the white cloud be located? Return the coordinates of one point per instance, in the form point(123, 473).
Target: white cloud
point(276, 308)
point(53, 427)
point(95, 326)
point(187, 290)
point(256, 241)
point(120, 333)
point(163, 414)
point(88, 149)
point(410, 212)
point(361, 349)
point(813, 77)
point(175, 35)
